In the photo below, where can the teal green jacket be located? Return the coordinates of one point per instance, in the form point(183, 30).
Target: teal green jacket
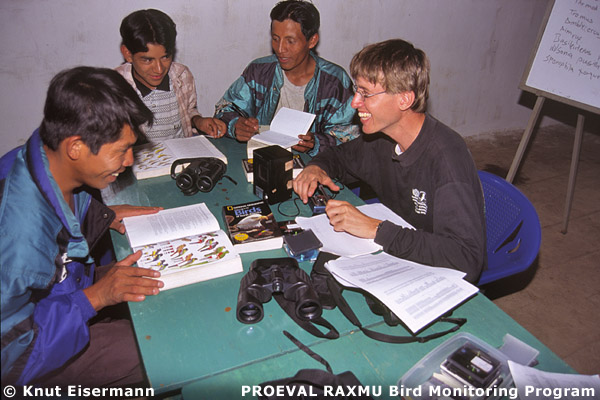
point(327, 95)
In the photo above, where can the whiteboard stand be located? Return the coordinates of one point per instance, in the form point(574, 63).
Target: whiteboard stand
point(563, 67)
point(573, 170)
point(574, 157)
point(525, 139)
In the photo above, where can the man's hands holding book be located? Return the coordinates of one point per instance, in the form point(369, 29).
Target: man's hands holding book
point(123, 283)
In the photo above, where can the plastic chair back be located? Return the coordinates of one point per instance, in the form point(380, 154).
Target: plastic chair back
point(513, 229)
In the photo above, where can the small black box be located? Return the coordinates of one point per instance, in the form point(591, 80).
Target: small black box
point(273, 167)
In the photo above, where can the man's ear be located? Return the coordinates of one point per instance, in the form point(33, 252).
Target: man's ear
point(312, 42)
point(406, 100)
point(126, 53)
point(74, 147)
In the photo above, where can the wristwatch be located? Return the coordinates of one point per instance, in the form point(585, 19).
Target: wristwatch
point(379, 227)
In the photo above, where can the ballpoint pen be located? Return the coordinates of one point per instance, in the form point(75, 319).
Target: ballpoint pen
point(238, 110)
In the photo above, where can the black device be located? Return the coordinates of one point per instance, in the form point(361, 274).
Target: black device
point(202, 174)
point(318, 201)
point(273, 166)
point(472, 366)
point(269, 276)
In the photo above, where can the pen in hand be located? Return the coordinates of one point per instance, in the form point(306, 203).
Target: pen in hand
point(246, 127)
point(238, 110)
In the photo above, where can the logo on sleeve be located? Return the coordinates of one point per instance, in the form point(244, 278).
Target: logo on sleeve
point(64, 273)
point(419, 198)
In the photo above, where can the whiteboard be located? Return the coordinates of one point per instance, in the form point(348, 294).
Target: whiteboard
point(565, 63)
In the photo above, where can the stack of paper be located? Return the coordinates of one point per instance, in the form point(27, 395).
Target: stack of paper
point(416, 293)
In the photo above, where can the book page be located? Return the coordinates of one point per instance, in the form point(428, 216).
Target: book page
point(286, 126)
point(152, 156)
point(416, 293)
point(534, 384)
point(345, 244)
point(170, 224)
point(196, 146)
point(186, 253)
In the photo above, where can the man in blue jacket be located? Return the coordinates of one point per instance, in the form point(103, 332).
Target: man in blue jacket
point(48, 227)
point(293, 77)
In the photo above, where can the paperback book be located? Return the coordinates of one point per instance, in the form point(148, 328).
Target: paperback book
point(155, 159)
point(184, 244)
point(252, 227)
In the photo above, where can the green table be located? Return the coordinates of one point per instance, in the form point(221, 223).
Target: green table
point(190, 338)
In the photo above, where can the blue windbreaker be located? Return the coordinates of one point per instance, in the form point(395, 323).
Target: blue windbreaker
point(45, 265)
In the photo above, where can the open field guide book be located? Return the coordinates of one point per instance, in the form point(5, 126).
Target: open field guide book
point(185, 244)
point(155, 159)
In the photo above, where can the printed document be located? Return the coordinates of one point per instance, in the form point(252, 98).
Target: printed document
point(533, 384)
point(416, 293)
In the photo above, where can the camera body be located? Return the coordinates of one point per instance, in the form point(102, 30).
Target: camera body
point(201, 174)
point(273, 172)
point(318, 201)
point(268, 276)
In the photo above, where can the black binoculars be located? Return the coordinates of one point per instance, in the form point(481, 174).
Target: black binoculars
point(202, 174)
point(268, 276)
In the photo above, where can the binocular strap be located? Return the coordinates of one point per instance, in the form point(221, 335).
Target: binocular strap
point(309, 326)
point(336, 290)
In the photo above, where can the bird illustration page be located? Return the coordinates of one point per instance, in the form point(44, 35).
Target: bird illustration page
point(184, 239)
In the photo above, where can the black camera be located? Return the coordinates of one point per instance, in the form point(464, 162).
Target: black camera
point(318, 201)
point(280, 276)
point(202, 174)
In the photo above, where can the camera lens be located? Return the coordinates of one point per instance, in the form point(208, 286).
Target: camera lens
point(204, 184)
point(250, 313)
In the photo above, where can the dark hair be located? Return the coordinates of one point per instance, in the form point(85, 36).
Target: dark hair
point(397, 66)
point(94, 103)
point(300, 11)
point(148, 26)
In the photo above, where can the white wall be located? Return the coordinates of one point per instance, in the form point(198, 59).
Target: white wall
point(478, 49)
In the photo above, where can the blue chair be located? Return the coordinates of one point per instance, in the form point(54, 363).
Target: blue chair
point(514, 234)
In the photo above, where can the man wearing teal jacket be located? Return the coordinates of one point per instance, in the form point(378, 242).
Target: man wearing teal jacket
point(294, 77)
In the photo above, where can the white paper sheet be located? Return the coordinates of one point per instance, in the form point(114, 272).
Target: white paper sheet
point(416, 293)
point(345, 244)
point(533, 384)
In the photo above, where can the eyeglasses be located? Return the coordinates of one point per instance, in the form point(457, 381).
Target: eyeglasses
point(363, 95)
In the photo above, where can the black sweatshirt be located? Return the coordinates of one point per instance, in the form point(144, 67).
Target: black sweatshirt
point(433, 185)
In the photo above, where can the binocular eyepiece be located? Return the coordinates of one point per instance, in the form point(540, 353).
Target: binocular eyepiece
point(202, 174)
point(276, 276)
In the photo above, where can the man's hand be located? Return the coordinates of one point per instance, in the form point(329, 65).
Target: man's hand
point(307, 181)
point(123, 283)
point(213, 127)
point(306, 143)
point(344, 217)
point(245, 128)
point(126, 210)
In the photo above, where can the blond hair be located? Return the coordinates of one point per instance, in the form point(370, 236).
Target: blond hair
point(397, 66)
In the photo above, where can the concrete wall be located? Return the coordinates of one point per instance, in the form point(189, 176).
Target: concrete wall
point(478, 49)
